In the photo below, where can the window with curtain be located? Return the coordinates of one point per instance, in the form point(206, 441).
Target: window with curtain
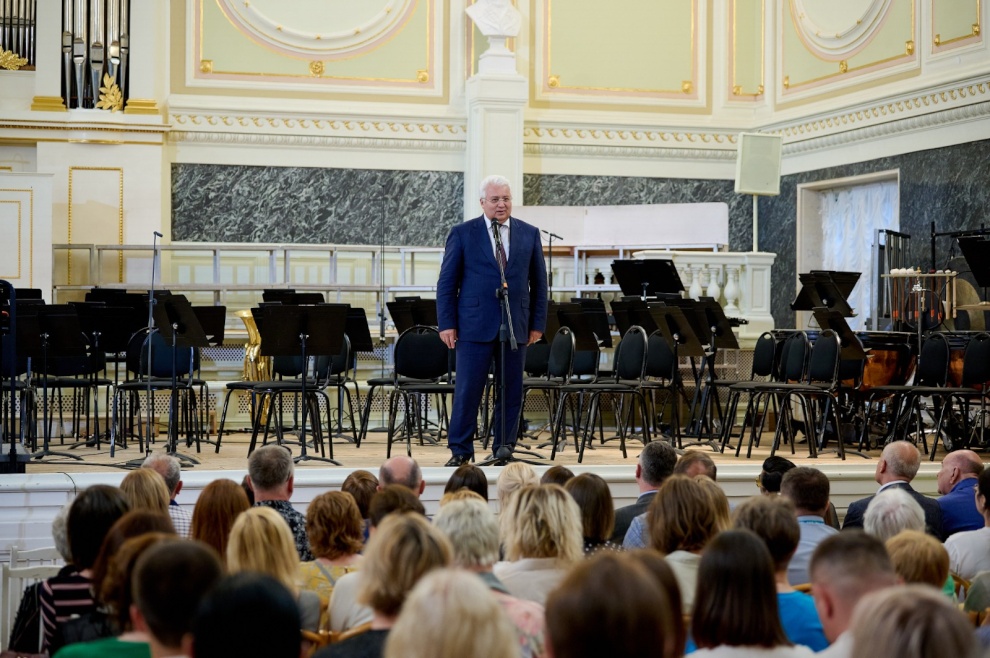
point(850, 216)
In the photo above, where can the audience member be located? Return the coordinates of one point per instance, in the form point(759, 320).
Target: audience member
point(468, 476)
point(472, 529)
point(345, 610)
point(736, 611)
point(694, 463)
point(969, 550)
point(115, 594)
point(773, 519)
point(845, 568)
point(512, 477)
point(218, 506)
point(664, 576)
point(246, 485)
point(270, 473)
point(169, 468)
point(594, 500)
point(541, 533)
point(808, 489)
point(169, 582)
point(362, 485)
point(556, 475)
point(682, 519)
point(460, 494)
point(336, 537)
point(919, 558)
point(911, 621)
point(770, 478)
point(898, 464)
point(892, 511)
point(451, 614)
point(93, 513)
point(655, 464)
point(145, 489)
point(261, 541)
point(402, 470)
point(403, 549)
point(957, 482)
point(612, 605)
point(247, 615)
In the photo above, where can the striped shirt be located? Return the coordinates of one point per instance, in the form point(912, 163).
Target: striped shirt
point(62, 597)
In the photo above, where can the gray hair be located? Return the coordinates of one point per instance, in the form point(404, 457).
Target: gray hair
point(657, 462)
point(167, 466)
point(903, 458)
point(60, 533)
point(472, 529)
point(890, 512)
point(493, 181)
point(270, 467)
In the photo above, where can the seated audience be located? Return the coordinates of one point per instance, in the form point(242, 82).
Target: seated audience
point(169, 582)
point(93, 513)
point(592, 495)
point(115, 593)
point(460, 494)
point(468, 476)
point(919, 558)
point(472, 529)
point(335, 530)
point(145, 489)
point(772, 473)
point(682, 519)
point(271, 473)
point(261, 541)
point(772, 519)
point(512, 477)
point(541, 533)
point(736, 612)
point(911, 621)
point(345, 611)
point(404, 471)
point(892, 511)
point(845, 568)
point(663, 575)
point(612, 605)
point(656, 464)
point(403, 549)
point(808, 489)
point(556, 475)
point(694, 463)
point(218, 506)
point(247, 615)
point(969, 550)
point(451, 614)
point(957, 482)
point(169, 468)
point(362, 485)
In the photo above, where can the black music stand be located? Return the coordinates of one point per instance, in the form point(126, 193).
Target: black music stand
point(597, 318)
point(15, 459)
point(647, 278)
point(301, 331)
point(676, 330)
point(177, 323)
point(823, 288)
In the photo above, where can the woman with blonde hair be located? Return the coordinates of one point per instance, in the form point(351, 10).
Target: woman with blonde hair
point(514, 476)
point(218, 506)
point(336, 537)
point(541, 534)
point(451, 614)
point(145, 489)
point(261, 541)
point(684, 515)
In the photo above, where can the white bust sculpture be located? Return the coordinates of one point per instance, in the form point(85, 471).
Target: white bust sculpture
point(495, 18)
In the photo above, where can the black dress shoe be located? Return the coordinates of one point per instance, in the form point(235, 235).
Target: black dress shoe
point(458, 460)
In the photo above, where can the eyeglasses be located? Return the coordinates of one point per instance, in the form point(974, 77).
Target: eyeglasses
point(495, 199)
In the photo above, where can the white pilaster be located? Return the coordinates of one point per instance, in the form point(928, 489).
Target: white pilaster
point(495, 105)
point(148, 72)
point(48, 62)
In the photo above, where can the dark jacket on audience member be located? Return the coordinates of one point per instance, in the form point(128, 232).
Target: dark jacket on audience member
point(625, 515)
point(933, 513)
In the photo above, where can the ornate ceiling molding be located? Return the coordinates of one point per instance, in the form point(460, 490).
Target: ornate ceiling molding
point(638, 152)
point(317, 141)
point(838, 29)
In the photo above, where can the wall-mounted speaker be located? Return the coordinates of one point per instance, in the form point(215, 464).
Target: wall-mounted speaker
point(758, 164)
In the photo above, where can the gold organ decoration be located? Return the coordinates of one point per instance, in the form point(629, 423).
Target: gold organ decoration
point(11, 61)
point(110, 96)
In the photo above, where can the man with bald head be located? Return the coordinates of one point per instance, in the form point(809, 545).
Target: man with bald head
point(404, 471)
point(957, 483)
point(898, 465)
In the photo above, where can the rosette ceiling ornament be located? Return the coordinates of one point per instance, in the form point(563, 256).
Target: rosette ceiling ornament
point(838, 29)
point(330, 29)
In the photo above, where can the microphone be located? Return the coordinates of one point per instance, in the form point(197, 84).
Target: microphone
point(157, 234)
point(552, 235)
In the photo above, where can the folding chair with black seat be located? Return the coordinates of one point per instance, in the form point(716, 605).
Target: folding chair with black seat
point(340, 370)
point(662, 378)
point(765, 354)
point(972, 389)
point(626, 382)
point(904, 405)
point(268, 399)
point(422, 370)
point(556, 365)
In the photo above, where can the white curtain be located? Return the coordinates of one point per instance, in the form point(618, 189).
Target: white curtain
point(849, 216)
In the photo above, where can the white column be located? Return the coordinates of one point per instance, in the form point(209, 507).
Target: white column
point(146, 64)
point(48, 71)
point(495, 105)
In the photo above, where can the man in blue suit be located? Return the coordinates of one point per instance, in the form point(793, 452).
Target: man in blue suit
point(470, 313)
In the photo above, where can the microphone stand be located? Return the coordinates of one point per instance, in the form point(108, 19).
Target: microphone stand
point(550, 238)
point(149, 395)
point(506, 334)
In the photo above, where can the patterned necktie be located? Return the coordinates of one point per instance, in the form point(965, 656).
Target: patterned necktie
point(500, 251)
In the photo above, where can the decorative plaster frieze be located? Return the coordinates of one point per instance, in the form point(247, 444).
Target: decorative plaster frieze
point(350, 126)
point(598, 135)
point(316, 141)
point(605, 151)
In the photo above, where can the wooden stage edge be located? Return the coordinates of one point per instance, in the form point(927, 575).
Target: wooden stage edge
point(29, 501)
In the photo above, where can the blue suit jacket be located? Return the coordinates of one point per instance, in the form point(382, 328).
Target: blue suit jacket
point(469, 278)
